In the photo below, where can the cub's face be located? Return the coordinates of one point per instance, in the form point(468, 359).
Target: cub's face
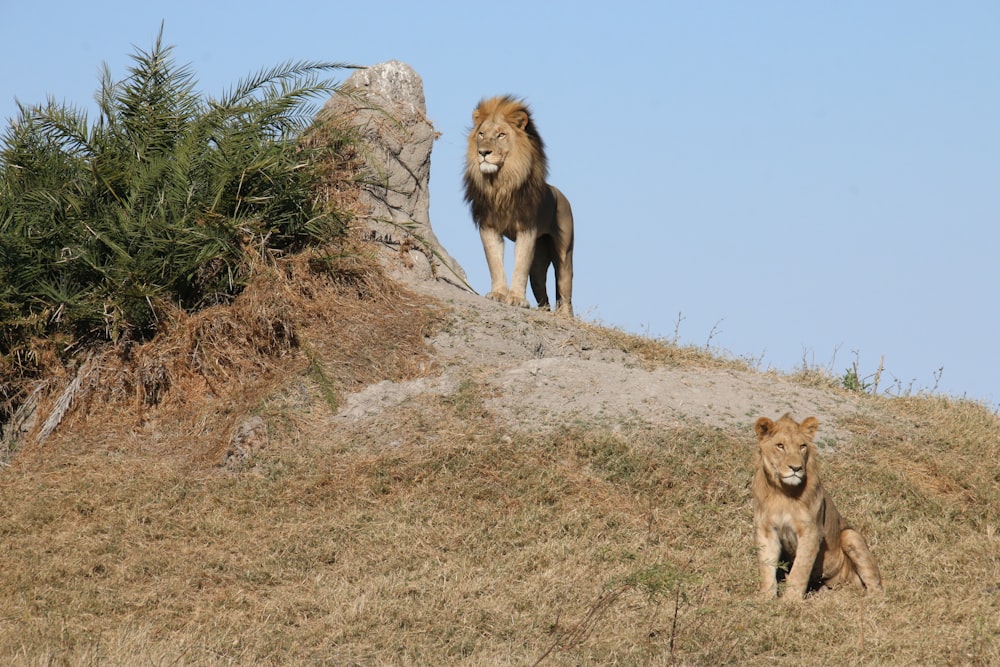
point(785, 447)
point(493, 140)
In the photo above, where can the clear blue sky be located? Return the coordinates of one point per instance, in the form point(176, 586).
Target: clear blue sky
point(797, 180)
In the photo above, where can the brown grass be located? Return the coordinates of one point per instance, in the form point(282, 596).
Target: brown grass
point(656, 352)
point(438, 535)
point(330, 314)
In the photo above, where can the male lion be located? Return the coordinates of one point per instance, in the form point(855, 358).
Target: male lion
point(794, 518)
point(505, 185)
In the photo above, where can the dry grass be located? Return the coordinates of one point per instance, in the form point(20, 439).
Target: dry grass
point(439, 536)
point(661, 352)
point(327, 313)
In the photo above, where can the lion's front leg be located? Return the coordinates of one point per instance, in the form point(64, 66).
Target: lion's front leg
point(768, 553)
point(524, 252)
point(805, 558)
point(493, 247)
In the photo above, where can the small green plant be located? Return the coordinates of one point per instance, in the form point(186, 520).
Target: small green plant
point(868, 384)
point(851, 381)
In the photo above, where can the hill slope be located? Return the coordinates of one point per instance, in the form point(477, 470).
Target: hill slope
point(419, 476)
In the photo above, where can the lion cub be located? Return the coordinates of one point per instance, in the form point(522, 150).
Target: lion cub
point(794, 518)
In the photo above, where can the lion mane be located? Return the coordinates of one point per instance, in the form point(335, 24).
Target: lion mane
point(506, 188)
point(795, 519)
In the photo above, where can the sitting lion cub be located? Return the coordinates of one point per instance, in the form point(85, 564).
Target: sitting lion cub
point(794, 519)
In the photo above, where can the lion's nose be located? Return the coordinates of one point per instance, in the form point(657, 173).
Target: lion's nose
point(485, 152)
point(795, 468)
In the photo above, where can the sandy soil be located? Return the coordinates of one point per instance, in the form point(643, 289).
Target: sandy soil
point(544, 370)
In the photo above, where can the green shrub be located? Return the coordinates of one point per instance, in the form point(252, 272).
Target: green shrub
point(166, 198)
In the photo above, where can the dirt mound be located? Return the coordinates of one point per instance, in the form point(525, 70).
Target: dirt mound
point(546, 371)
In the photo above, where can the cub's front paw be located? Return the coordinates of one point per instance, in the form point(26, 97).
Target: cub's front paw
point(793, 596)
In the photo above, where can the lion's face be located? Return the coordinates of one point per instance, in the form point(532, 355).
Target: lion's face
point(785, 447)
point(493, 143)
point(497, 131)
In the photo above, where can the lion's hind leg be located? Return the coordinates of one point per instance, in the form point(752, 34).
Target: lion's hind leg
point(856, 549)
point(564, 283)
point(562, 254)
point(544, 250)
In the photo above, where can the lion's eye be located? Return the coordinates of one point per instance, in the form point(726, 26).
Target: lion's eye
point(481, 135)
point(780, 446)
point(501, 135)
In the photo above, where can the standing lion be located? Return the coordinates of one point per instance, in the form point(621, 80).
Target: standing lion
point(795, 519)
point(505, 185)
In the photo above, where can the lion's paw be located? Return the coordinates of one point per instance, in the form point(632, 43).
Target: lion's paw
point(792, 598)
point(497, 296)
point(520, 301)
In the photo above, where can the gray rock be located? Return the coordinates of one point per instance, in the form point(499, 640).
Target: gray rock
point(385, 104)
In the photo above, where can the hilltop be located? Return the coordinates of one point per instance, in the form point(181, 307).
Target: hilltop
point(421, 476)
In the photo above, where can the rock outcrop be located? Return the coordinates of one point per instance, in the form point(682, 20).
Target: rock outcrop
point(385, 105)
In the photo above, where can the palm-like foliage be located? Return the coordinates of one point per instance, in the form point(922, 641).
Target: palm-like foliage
point(159, 200)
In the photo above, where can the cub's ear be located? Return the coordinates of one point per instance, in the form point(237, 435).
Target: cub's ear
point(518, 118)
point(764, 427)
point(809, 426)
